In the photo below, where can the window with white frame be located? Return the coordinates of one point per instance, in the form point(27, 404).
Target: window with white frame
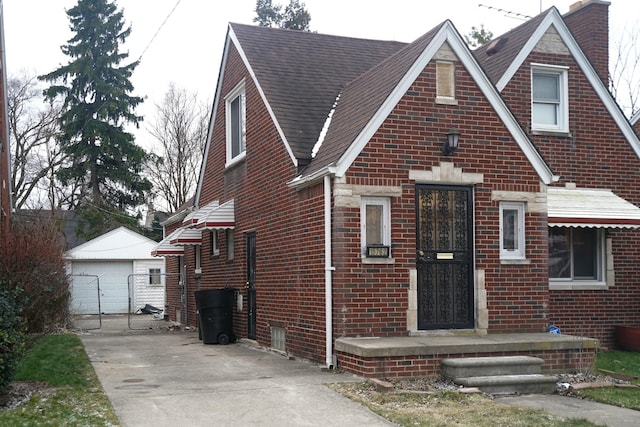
point(512, 230)
point(198, 256)
point(576, 254)
point(549, 99)
point(155, 277)
point(375, 225)
point(236, 124)
point(215, 244)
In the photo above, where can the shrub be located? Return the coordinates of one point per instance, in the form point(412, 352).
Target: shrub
point(12, 337)
point(32, 263)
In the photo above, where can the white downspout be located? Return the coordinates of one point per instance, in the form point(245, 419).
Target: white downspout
point(328, 287)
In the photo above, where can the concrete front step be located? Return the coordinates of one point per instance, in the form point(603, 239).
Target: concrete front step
point(511, 384)
point(488, 366)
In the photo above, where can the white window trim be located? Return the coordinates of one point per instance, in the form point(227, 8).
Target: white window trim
point(215, 242)
point(520, 252)
point(198, 256)
point(605, 273)
point(563, 113)
point(386, 222)
point(238, 91)
point(153, 273)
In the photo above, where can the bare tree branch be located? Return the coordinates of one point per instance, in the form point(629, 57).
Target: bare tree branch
point(180, 130)
point(34, 151)
point(625, 69)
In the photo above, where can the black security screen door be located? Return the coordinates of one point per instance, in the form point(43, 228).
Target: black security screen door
point(444, 257)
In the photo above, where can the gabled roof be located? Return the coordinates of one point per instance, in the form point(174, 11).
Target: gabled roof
point(118, 244)
point(300, 74)
point(502, 65)
point(367, 101)
point(498, 54)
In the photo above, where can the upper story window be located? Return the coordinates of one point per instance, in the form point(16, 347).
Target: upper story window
point(549, 99)
point(576, 255)
point(375, 225)
point(445, 82)
point(236, 124)
point(512, 230)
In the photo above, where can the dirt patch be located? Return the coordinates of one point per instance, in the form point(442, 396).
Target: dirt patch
point(19, 392)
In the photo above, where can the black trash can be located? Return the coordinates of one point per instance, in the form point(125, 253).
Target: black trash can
point(215, 315)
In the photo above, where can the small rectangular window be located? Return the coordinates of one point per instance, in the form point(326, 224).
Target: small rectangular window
point(512, 230)
point(215, 245)
point(155, 276)
point(445, 81)
point(549, 99)
point(197, 252)
point(375, 222)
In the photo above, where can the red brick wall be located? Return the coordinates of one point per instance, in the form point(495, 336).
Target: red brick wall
point(371, 300)
point(594, 155)
point(555, 361)
point(589, 25)
point(288, 227)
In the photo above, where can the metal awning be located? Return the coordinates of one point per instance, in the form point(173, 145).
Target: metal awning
point(186, 236)
point(165, 248)
point(221, 217)
point(193, 218)
point(584, 207)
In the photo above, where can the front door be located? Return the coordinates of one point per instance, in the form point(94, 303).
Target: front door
point(251, 285)
point(445, 257)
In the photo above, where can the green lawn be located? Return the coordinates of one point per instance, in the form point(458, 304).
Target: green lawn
point(623, 362)
point(75, 397)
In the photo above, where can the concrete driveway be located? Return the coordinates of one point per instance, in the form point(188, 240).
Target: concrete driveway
point(170, 378)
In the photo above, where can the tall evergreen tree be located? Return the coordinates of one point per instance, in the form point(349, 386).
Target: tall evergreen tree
point(97, 104)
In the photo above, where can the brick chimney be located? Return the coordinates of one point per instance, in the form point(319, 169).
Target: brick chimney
point(588, 21)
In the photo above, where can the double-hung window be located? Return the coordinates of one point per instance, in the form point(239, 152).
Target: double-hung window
point(549, 99)
point(375, 225)
point(512, 230)
point(155, 277)
point(576, 254)
point(236, 124)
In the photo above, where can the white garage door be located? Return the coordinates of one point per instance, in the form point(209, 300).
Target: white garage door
point(112, 278)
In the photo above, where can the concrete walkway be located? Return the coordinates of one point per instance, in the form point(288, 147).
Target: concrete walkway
point(570, 407)
point(170, 378)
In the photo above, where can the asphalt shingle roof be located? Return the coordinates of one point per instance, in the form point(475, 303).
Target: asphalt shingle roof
point(301, 74)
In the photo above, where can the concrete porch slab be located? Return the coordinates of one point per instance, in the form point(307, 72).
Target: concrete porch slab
point(374, 347)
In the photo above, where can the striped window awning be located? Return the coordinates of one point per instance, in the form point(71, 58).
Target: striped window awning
point(221, 217)
point(584, 207)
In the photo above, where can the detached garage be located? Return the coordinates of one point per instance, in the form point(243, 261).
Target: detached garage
point(113, 269)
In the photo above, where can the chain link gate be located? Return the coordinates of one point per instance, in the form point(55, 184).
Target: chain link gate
point(86, 313)
point(147, 293)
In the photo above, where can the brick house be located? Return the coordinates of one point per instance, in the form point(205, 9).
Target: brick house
point(359, 189)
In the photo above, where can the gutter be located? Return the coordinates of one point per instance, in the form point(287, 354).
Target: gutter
point(328, 269)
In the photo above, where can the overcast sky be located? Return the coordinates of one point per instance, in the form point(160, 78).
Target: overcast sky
point(188, 48)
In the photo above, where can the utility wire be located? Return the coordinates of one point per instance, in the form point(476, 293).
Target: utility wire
point(508, 13)
point(158, 30)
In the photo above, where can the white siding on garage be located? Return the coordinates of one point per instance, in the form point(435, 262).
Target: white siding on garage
point(145, 292)
point(110, 276)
